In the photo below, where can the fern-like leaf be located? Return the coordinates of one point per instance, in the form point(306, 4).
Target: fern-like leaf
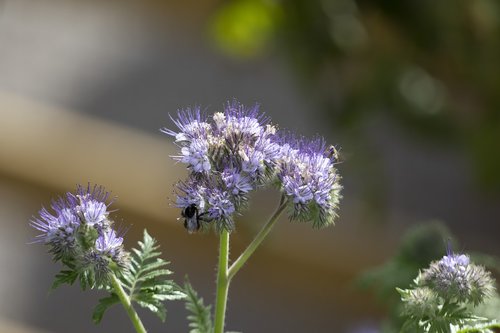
point(145, 281)
point(65, 276)
point(104, 304)
point(200, 319)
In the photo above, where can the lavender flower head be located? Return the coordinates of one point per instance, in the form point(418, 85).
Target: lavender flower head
point(454, 277)
point(237, 151)
point(309, 178)
point(79, 232)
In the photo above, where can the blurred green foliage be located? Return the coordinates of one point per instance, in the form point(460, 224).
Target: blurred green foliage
point(243, 28)
point(421, 245)
point(430, 66)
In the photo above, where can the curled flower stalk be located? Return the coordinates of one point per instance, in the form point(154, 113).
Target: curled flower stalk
point(235, 152)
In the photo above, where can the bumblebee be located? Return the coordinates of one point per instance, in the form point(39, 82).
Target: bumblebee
point(192, 218)
point(334, 154)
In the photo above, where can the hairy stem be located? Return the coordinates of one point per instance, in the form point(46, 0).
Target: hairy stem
point(245, 255)
point(222, 282)
point(225, 274)
point(127, 304)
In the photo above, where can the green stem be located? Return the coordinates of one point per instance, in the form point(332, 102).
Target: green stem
point(236, 266)
point(225, 274)
point(222, 282)
point(127, 304)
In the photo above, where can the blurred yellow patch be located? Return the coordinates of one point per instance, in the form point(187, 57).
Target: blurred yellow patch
point(243, 28)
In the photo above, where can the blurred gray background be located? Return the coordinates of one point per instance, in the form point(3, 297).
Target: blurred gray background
point(85, 87)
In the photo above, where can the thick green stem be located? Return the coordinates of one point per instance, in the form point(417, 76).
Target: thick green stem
point(236, 266)
point(222, 282)
point(127, 304)
point(224, 275)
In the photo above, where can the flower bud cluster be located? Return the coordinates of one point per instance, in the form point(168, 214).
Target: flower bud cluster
point(237, 151)
point(420, 302)
point(79, 233)
point(445, 293)
point(454, 277)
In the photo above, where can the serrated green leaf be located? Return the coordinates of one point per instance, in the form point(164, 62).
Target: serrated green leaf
point(104, 304)
point(151, 304)
point(64, 276)
point(200, 319)
point(146, 281)
point(154, 274)
point(175, 295)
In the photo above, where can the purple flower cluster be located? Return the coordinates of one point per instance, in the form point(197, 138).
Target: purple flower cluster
point(238, 150)
point(308, 176)
point(455, 277)
point(79, 232)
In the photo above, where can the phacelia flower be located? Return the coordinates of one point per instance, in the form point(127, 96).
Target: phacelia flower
point(79, 232)
point(92, 212)
point(237, 182)
point(237, 151)
point(58, 229)
point(240, 121)
point(192, 125)
point(220, 207)
point(109, 250)
point(191, 192)
point(108, 243)
point(310, 179)
point(193, 139)
point(196, 156)
point(454, 277)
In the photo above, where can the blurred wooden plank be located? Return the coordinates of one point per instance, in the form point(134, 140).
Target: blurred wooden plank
point(58, 148)
point(10, 326)
point(55, 147)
